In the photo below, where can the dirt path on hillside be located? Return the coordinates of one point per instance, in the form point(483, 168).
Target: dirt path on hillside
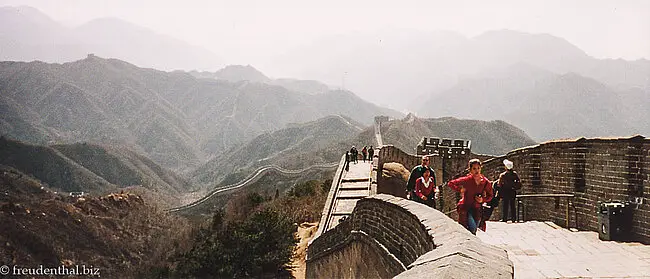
point(306, 232)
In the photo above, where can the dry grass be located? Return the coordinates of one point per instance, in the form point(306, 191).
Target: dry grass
point(305, 233)
point(118, 233)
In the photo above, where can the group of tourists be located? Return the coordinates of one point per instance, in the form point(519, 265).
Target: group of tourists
point(479, 195)
point(353, 155)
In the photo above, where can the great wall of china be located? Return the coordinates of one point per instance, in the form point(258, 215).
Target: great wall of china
point(369, 229)
point(381, 234)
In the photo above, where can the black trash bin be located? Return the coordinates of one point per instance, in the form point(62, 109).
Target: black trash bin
point(614, 221)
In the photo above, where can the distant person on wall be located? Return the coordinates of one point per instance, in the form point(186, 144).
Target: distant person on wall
point(475, 189)
point(347, 160)
point(425, 189)
point(371, 152)
point(353, 153)
point(509, 183)
point(416, 173)
point(364, 153)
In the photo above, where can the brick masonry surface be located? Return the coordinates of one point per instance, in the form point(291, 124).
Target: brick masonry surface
point(394, 236)
point(594, 170)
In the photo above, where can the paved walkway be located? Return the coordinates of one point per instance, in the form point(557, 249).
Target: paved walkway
point(354, 186)
point(545, 250)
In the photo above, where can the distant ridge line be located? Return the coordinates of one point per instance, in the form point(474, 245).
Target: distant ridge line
point(249, 180)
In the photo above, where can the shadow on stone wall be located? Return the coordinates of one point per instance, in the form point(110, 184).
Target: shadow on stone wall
point(389, 236)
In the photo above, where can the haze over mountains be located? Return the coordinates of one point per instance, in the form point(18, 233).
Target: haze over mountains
point(540, 83)
point(143, 122)
point(545, 104)
point(26, 34)
point(236, 73)
point(537, 76)
point(418, 63)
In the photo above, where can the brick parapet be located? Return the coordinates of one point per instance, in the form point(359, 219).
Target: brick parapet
point(329, 203)
point(390, 153)
point(594, 170)
point(403, 231)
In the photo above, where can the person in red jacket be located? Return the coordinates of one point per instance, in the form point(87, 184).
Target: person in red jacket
point(425, 189)
point(475, 190)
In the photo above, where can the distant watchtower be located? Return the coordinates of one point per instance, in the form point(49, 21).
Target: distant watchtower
point(445, 148)
point(448, 158)
point(381, 118)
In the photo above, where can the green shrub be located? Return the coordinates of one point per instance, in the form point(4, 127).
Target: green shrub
point(260, 246)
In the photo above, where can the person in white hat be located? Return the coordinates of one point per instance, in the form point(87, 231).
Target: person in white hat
point(509, 183)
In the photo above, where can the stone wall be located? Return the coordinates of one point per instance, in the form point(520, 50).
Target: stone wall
point(445, 168)
point(594, 170)
point(388, 236)
point(392, 154)
point(389, 153)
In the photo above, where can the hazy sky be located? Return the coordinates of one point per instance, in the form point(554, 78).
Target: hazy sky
point(247, 31)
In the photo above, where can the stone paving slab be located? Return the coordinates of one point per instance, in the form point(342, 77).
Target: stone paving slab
point(356, 185)
point(358, 171)
point(541, 250)
point(353, 193)
point(335, 221)
point(344, 206)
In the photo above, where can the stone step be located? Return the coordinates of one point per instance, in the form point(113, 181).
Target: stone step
point(356, 179)
point(352, 188)
point(355, 185)
point(352, 196)
point(341, 213)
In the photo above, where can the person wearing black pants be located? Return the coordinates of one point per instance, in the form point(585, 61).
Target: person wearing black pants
point(509, 183)
point(489, 207)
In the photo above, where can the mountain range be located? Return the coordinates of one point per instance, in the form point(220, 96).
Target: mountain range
point(236, 73)
point(487, 137)
point(176, 119)
point(326, 139)
point(297, 146)
point(541, 83)
point(390, 64)
point(215, 126)
point(97, 169)
point(544, 104)
point(404, 69)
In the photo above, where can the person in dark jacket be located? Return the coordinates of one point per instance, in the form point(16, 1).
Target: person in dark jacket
point(371, 152)
point(354, 153)
point(416, 173)
point(348, 158)
point(509, 183)
point(488, 207)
